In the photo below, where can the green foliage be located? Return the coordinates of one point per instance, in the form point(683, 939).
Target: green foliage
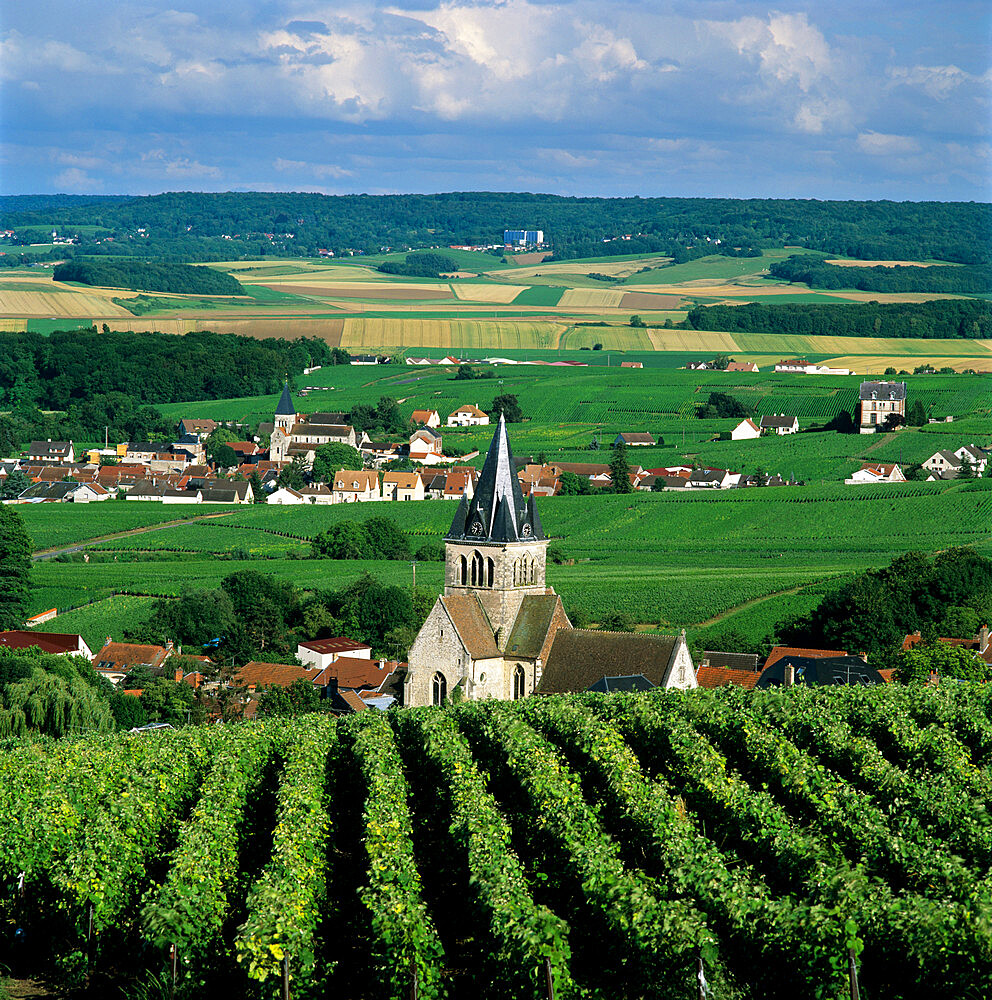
point(916, 665)
point(329, 459)
point(620, 470)
point(15, 569)
point(302, 697)
point(294, 474)
point(817, 273)
point(421, 265)
point(15, 484)
point(158, 277)
point(507, 405)
point(719, 404)
point(637, 321)
point(375, 538)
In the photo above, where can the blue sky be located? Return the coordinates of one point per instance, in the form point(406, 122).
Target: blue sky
point(584, 97)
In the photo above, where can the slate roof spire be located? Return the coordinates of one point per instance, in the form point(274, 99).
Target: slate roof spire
point(285, 408)
point(497, 512)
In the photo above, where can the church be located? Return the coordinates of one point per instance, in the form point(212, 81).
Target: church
point(492, 633)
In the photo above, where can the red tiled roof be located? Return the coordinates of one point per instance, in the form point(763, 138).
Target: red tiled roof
point(914, 639)
point(353, 701)
point(886, 675)
point(47, 642)
point(779, 651)
point(115, 655)
point(355, 672)
point(338, 644)
point(711, 677)
point(259, 675)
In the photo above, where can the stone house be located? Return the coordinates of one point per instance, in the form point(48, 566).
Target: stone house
point(358, 485)
point(879, 400)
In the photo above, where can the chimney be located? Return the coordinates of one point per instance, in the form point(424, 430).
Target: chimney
point(983, 638)
point(169, 645)
point(864, 656)
point(178, 676)
point(790, 675)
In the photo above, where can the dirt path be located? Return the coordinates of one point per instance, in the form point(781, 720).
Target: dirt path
point(43, 554)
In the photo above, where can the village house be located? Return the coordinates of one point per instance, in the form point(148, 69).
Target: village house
point(115, 660)
point(402, 486)
point(57, 643)
point(354, 486)
point(285, 496)
point(742, 366)
point(428, 418)
point(879, 401)
point(51, 451)
point(746, 430)
point(317, 493)
point(322, 653)
point(425, 446)
point(947, 464)
point(468, 415)
point(198, 428)
point(634, 439)
point(779, 423)
point(876, 472)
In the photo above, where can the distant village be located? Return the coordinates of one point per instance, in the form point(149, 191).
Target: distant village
point(178, 471)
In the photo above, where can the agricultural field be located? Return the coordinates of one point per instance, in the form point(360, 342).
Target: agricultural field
point(505, 306)
point(622, 847)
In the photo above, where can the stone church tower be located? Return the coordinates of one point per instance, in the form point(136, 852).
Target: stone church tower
point(285, 420)
point(492, 629)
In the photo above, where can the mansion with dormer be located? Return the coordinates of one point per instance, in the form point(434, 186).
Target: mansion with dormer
point(493, 630)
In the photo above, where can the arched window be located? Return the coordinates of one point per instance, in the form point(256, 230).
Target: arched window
point(478, 570)
point(518, 682)
point(440, 689)
point(491, 574)
point(464, 570)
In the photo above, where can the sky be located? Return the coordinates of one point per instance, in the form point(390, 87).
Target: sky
point(835, 99)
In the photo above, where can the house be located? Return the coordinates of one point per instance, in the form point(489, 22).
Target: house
point(255, 676)
point(115, 660)
point(781, 652)
point(708, 676)
point(631, 364)
point(197, 428)
point(712, 479)
point(51, 451)
point(301, 434)
point(491, 632)
point(978, 457)
point(434, 485)
point(228, 491)
point(363, 359)
point(635, 439)
point(459, 484)
point(779, 423)
point(580, 658)
point(742, 366)
point(879, 401)
point(943, 461)
point(598, 475)
point(58, 643)
point(425, 446)
point(818, 670)
point(746, 430)
point(751, 662)
point(794, 365)
point(876, 472)
point(48, 492)
point(285, 496)
point(402, 486)
point(800, 367)
point(428, 418)
point(353, 486)
point(322, 653)
point(468, 415)
point(699, 366)
point(317, 493)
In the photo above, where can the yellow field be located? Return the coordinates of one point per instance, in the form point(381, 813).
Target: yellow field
point(856, 296)
point(56, 302)
point(876, 364)
point(487, 293)
point(878, 263)
point(692, 340)
point(607, 298)
point(619, 269)
point(462, 334)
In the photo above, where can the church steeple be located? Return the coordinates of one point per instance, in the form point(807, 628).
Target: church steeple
point(497, 512)
point(285, 408)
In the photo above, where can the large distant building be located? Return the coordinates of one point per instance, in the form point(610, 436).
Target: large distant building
point(303, 433)
point(879, 400)
point(523, 237)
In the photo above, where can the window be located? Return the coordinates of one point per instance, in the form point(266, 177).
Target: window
point(440, 689)
point(491, 572)
point(464, 570)
point(518, 682)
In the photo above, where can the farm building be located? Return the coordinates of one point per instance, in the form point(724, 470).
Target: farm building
point(746, 430)
point(742, 366)
point(58, 643)
point(876, 472)
point(429, 418)
point(635, 439)
point(779, 423)
point(468, 415)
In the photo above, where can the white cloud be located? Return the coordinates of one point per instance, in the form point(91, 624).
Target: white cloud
point(76, 180)
point(316, 169)
point(938, 82)
point(881, 144)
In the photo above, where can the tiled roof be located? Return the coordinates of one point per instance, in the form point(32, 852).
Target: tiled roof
point(337, 644)
point(883, 390)
point(347, 478)
point(128, 654)
point(779, 651)
point(471, 409)
point(404, 480)
point(914, 639)
point(734, 661)
point(355, 673)
point(531, 626)
point(580, 657)
point(472, 625)
point(259, 675)
point(353, 701)
point(47, 642)
point(711, 677)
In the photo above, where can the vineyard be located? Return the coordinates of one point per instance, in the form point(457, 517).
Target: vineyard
point(621, 846)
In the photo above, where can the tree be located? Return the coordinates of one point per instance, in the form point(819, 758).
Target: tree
point(620, 470)
point(508, 405)
point(464, 372)
point(15, 569)
point(15, 484)
point(721, 405)
point(597, 346)
point(302, 697)
point(293, 474)
point(225, 457)
point(257, 487)
point(893, 421)
point(618, 621)
point(571, 485)
point(637, 321)
point(386, 538)
point(915, 665)
point(917, 416)
point(339, 356)
point(967, 470)
point(53, 705)
point(720, 362)
point(331, 458)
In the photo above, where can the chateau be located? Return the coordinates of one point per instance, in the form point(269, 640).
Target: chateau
point(492, 632)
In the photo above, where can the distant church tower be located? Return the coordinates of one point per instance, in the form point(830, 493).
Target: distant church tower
point(285, 420)
point(497, 617)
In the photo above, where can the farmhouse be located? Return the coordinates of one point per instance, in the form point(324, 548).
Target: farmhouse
point(779, 423)
point(948, 464)
point(59, 643)
point(876, 472)
point(402, 486)
point(355, 486)
point(468, 415)
point(497, 622)
point(115, 660)
point(51, 451)
point(879, 401)
point(742, 366)
point(425, 446)
point(746, 430)
point(428, 418)
point(635, 439)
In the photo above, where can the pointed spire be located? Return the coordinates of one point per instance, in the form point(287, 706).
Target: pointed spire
point(285, 408)
point(534, 519)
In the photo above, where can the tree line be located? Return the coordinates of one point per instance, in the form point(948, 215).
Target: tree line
point(946, 318)
point(142, 276)
point(974, 279)
point(206, 226)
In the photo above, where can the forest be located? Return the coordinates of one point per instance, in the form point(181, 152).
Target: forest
point(198, 226)
point(809, 269)
point(141, 276)
point(944, 318)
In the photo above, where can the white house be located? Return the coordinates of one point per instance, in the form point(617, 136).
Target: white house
point(779, 423)
point(876, 472)
point(428, 418)
point(355, 486)
point(746, 430)
point(468, 415)
point(425, 446)
point(322, 653)
point(285, 496)
point(402, 486)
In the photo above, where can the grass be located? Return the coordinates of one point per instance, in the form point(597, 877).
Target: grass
point(540, 295)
